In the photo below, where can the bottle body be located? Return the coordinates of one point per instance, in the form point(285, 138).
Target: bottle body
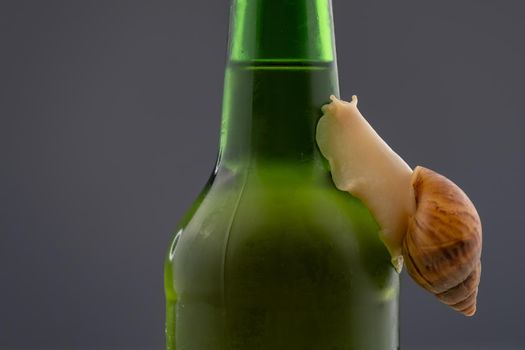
point(286, 268)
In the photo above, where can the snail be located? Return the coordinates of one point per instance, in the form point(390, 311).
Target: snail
point(426, 221)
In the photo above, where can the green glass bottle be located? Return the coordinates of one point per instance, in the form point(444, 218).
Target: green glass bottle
point(272, 256)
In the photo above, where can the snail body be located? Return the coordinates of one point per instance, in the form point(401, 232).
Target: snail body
point(426, 220)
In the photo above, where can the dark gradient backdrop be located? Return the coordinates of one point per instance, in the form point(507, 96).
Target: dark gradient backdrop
point(109, 124)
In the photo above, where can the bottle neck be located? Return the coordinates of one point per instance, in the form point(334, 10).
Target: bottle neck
point(281, 70)
point(273, 30)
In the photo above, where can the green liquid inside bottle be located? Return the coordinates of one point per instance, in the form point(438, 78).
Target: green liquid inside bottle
point(271, 255)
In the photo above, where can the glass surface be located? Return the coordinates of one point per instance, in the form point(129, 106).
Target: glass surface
point(284, 30)
point(272, 255)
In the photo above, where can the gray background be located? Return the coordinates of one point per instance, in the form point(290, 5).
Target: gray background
point(109, 117)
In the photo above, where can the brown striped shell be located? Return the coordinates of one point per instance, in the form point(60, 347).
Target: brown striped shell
point(442, 246)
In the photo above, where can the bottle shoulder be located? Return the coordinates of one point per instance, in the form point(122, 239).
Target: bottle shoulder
point(241, 215)
point(250, 207)
point(284, 196)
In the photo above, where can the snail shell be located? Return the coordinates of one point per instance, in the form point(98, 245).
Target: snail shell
point(442, 245)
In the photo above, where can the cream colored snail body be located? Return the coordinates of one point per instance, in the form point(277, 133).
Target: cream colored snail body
point(425, 219)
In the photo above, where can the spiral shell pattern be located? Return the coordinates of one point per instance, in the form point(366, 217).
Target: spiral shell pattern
point(442, 246)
